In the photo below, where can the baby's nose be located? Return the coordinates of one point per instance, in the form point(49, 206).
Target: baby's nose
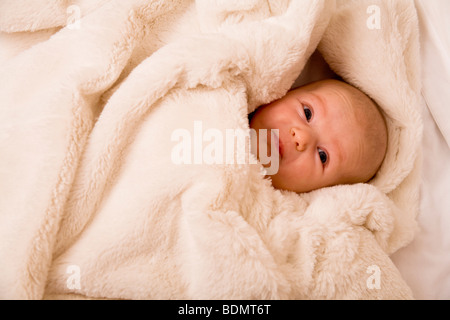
point(301, 138)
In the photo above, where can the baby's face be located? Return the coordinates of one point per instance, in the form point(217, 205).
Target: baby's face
point(321, 141)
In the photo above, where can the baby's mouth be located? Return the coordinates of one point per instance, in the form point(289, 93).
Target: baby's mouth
point(275, 139)
point(280, 147)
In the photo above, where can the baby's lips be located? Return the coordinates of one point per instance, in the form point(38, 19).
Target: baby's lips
point(280, 147)
point(274, 138)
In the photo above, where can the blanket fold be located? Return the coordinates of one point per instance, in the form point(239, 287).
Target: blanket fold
point(95, 119)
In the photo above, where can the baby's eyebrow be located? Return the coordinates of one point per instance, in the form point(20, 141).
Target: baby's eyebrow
point(340, 152)
point(321, 103)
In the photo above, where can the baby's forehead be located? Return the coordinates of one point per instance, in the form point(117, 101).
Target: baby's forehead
point(332, 86)
point(334, 95)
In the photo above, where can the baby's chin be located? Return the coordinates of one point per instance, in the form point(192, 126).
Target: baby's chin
point(281, 182)
point(278, 182)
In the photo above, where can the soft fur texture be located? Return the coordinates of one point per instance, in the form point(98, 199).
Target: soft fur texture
point(87, 180)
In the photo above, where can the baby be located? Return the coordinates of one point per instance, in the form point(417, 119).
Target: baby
point(329, 133)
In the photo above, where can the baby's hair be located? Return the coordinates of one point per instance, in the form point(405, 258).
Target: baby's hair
point(374, 123)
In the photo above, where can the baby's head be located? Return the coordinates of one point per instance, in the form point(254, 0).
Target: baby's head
point(330, 133)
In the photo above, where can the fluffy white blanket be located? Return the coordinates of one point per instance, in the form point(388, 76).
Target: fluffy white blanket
point(93, 204)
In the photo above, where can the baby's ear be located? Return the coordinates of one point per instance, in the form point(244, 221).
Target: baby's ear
point(354, 205)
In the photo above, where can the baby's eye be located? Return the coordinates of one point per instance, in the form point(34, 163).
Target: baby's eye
point(308, 113)
point(323, 156)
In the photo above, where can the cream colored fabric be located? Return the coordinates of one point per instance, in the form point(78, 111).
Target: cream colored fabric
point(88, 181)
point(427, 255)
